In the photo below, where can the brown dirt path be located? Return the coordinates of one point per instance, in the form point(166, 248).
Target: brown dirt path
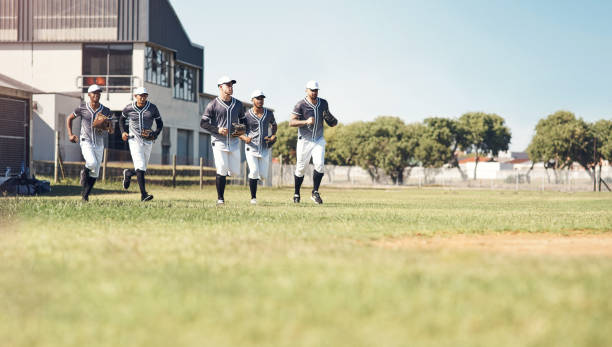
point(572, 244)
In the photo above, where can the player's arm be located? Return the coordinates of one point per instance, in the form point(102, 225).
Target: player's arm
point(73, 138)
point(208, 118)
point(124, 134)
point(159, 124)
point(294, 121)
point(272, 137)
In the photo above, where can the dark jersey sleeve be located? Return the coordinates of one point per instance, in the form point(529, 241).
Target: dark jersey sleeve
point(297, 110)
point(273, 123)
point(242, 115)
point(156, 114)
point(208, 121)
point(77, 112)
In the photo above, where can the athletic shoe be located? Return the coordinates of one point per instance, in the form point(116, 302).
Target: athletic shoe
point(316, 198)
point(220, 202)
point(85, 199)
point(253, 201)
point(146, 197)
point(127, 178)
point(82, 178)
point(296, 199)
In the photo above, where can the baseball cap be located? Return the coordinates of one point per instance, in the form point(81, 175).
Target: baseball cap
point(257, 93)
point(312, 85)
point(140, 91)
point(94, 88)
point(224, 80)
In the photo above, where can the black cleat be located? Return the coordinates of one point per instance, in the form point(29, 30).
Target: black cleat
point(316, 198)
point(85, 199)
point(127, 178)
point(296, 199)
point(146, 197)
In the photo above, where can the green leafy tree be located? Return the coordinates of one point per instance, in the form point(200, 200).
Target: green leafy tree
point(560, 140)
point(484, 134)
point(440, 139)
point(286, 143)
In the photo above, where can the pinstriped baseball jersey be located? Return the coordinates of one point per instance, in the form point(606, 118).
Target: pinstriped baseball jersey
point(257, 129)
point(304, 110)
point(140, 118)
point(219, 114)
point(87, 114)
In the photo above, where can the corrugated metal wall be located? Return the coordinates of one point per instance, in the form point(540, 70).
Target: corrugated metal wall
point(133, 20)
point(8, 20)
point(14, 134)
point(59, 20)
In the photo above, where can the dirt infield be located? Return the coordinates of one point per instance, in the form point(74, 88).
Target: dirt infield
point(572, 244)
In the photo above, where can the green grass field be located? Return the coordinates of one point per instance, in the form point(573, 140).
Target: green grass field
point(179, 271)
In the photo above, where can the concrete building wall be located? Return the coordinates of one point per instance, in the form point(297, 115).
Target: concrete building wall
point(49, 67)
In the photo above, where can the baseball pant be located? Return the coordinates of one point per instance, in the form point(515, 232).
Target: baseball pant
point(306, 149)
point(227, 162)
point(258, 165)
point(141, 152)
point(93, 157)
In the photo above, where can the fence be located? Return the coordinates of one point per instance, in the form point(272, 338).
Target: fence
point(538, 178)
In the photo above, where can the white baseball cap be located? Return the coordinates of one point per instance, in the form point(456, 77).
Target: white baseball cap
point(312, 85)
point(94, 88)
point(140, 91)
point(257, 93)
point(224, 80)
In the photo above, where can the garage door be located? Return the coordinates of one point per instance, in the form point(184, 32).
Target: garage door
point(13, 135)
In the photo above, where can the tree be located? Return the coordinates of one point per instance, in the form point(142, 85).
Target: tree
point(286, 142)
point(386, 144)
point(484, 134)
point(440, 138)
point(560, 140)
point(601, 131)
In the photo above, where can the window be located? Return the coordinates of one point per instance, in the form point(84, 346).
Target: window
point(106, 65)
point(184, 82)
point(157, 66)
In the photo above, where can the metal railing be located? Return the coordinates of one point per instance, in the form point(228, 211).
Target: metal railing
point(110, 83)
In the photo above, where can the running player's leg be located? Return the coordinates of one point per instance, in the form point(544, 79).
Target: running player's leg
point(254, 176)
point(303, 154)
point(318, 161)
point(222, 165)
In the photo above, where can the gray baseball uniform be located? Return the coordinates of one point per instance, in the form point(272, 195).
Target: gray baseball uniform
point(87, 115)
point(257, 129)
point(140, 118)
point(219, 114)
point(304, 110)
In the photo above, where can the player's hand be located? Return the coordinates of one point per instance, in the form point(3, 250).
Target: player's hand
point(310, 121)
point(74, 138)
point(222, 131)
point(124, 136)
point(246, 139)
point(271, 138)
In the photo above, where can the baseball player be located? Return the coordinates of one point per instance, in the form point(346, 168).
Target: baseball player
point(220, 119)
point(92, 139)
point(308, 115)
point(140, 115)
point(259, 137)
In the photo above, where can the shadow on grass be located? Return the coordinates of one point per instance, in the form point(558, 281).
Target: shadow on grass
point(72, 190)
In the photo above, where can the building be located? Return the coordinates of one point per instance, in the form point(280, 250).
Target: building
point(15, 130)
point(56, 49)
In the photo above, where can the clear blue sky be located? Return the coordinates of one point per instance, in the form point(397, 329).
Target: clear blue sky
point(413, 59)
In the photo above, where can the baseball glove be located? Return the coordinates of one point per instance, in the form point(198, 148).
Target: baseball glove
point(329, 118)
point(101, 122)
point(238, 129)
point(270, 141)
point(148, 134)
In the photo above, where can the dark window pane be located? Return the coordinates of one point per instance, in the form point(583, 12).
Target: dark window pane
point(95, 59)
point(120, 59)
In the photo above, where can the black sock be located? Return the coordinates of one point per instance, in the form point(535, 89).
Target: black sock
point(220, 181)
point(89, 183)
point(253, 186)
point(298, 184)
point(131, 172)
point(316, 180)
point(140, 175)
